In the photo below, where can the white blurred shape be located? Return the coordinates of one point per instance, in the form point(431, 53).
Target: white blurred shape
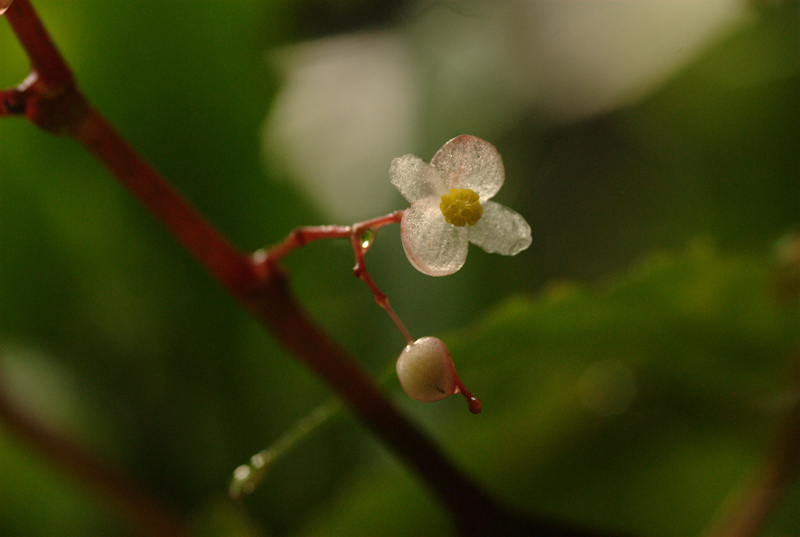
point(351, 104)
point(593, 56)
point(478, 77)
point(41, 386)
point(347, 108)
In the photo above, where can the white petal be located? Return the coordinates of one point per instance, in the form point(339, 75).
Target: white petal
point(432, 245)
point(469, 162)
point(635, 48)
point(415, 178)
point(500, 230)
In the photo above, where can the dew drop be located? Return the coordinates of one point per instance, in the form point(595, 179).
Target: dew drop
point(242, 473)
point(367, 238)
point(4, 5)
point(242, 482)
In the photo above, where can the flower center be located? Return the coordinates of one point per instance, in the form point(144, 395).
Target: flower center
point(461, 207)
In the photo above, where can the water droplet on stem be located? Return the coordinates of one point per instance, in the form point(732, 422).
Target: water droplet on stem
point(367, 238)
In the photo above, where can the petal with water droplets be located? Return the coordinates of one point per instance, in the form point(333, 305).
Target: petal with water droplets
point(432, 245)
point(500, 230)
point(415, 178)
point(469, 162)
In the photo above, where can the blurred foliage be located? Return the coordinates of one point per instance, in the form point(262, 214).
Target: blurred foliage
point(616, 407)
point(616, 401)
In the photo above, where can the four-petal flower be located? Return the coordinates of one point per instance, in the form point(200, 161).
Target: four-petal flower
point(434, 229)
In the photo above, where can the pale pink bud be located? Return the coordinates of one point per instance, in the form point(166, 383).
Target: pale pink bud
point(427, 373)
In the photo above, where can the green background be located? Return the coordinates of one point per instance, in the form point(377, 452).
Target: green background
point(635, 363)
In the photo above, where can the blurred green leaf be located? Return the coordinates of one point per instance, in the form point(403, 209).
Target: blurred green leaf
point(620, 406)
point(615, 407)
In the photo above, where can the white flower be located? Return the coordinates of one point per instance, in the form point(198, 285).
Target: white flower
point(450, 206)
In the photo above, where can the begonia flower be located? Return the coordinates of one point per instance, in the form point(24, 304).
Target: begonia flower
point(451, 206)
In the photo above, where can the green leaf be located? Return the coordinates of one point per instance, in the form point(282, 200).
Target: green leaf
point(615, 407)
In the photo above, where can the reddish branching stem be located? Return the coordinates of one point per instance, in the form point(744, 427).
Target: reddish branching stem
point(48, 95)
point(123, 492)
point(361, 236)
point(230, 267)
point(750, 511)
point(42, 52)
point(51, 100)
point(360, 247)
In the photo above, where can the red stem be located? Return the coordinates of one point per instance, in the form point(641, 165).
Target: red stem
point(758, 499)
point(42, 52)
point(304, 235)
point(230, 267)
point(128, 496)
point(50, 99)
point(360, 272)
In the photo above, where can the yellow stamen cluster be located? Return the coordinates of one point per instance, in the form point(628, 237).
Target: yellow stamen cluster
point(461, 207)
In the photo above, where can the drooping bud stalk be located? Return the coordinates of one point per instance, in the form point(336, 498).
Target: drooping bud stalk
point(427, 373)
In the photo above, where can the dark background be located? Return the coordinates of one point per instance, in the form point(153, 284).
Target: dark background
point(635, 363)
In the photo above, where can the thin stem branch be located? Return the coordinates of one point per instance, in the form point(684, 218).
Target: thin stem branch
point(128, 497)
point(39, 47)
point(361, 235)
point(302, 236)
point(308, 234)
point(360, 246)
point(232, 268)
point(51, 100)
point(750, 511)
point(248, 476)
point(474, 512)
point(360, 271)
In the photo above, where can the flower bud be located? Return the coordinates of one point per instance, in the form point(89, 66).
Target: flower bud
point(426, 371)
